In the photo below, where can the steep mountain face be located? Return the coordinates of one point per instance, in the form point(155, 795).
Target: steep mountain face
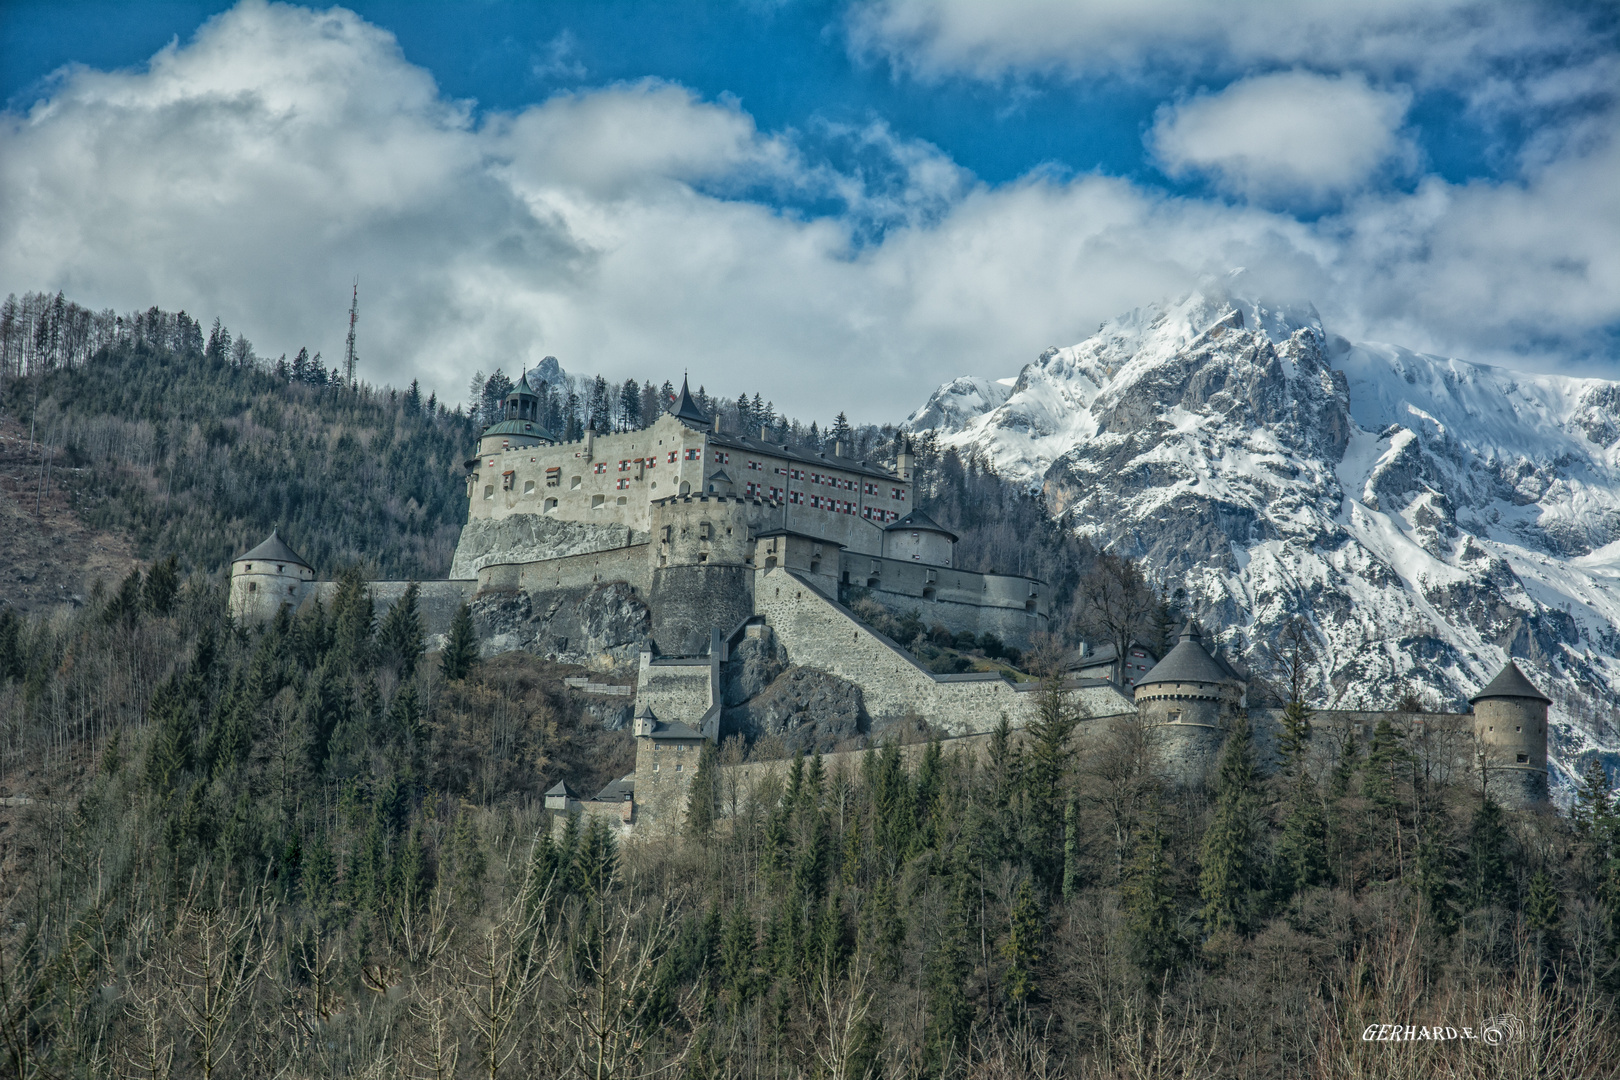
point(1430, 516)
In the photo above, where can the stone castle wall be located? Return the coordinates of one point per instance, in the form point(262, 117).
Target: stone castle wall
point(820, 633)
point(627, 564)
point(436, 601)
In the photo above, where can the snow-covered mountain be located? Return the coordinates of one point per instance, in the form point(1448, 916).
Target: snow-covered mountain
point(1430, 516)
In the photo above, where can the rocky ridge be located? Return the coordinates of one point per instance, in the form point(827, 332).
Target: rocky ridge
point(1429, 516)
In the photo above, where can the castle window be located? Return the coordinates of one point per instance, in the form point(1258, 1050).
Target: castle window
point(694, 454)
point(672, 457)
point(1519, 728)
point(489, 491)
point(528, 487)
point(597, 501)
point(1174, 716)
point(248, 569)
point(599, 468)
point(551, 504)
point(553, 478)
point(624, 465)
point(573, 484)
point(622, 500)
point(281, 569)
point(253, 586)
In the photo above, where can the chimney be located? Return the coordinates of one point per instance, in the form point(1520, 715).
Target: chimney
point(764, 433)
point(717, 421)
point(838, 448)
point(590, 442)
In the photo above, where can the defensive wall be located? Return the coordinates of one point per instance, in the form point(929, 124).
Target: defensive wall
point(627, 564)
point(819, 632)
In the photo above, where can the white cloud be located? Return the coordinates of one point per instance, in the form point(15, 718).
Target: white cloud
point(1290, 135)
point(1421, 38)
point(251, 172)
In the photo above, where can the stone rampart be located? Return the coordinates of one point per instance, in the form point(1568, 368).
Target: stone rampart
point(683, 690)
point(819, 632)
point(627, 564)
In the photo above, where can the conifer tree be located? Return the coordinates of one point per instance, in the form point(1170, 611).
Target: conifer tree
point(162, 585)
point(883, 929)
point(1226, 883)
point(1022, 949)
point(703, 796)
point(1302, 849)
point(400, 637)
point(1071, 850)
point(737, 955)
point(1488, 876)
point(1433, 873)
point(1541, 906)
point(1593, 801)
point(461, 652)
point(12, 662)
point(1148, 900)
point(950, 1014)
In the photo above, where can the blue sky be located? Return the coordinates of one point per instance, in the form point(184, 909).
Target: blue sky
point(887, 193)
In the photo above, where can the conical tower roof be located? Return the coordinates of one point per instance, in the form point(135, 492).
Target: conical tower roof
point(1188, 661)
point(919, 521)
point(687, 410)
point(275, 550)
point(1510, 682)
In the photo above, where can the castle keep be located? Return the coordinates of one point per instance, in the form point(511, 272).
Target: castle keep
point(717, 567)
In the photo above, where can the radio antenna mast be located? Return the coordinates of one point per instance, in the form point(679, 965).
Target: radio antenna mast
point(348, 349)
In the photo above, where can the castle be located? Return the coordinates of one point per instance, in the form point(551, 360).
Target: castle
point(726, 560)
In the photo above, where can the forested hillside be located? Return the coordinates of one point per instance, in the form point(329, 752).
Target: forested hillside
point(311, 851)
point(196, 448)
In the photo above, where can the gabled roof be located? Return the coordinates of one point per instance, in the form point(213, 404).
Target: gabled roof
point(719, 477)
point(687, 411)
point(275, 550)
point(917, 520)
point(562, 788)
point(1187, 662)
point(618, 790)
point(1510, 683)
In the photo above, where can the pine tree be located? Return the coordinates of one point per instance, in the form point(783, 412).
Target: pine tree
point(1071, 850)
point(1022, 950)
point(737, 949)
point(1344, 769)
point(1294, 738)
point(1488, 876)
point(1226, 883)
point(1302, 849)
point(703, 796)
point(461, 652)
point(946, 976)
point(1594, 801)
point(630, 405)
point(173, 724)
point(1148, 900)
point(400, 637)
point(13, 664)
point(1433, 874)
point(883, 929)
point(842, 432)
point(1541, 907)
point(162, 585)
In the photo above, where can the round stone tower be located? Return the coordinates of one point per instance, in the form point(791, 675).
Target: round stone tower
point(1186, 700)
point(702, 569)
point(266, 577)
point(919, 538)
point(1510, 725)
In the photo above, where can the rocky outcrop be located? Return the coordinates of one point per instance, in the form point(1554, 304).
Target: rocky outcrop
point(524, 538)
point(602, 626)
point(808, 710)
point(754, 664)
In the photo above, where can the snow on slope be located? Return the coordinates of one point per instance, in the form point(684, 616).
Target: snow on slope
point(1431, 516)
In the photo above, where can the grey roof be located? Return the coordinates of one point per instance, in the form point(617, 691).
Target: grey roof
point(687, 410)
point(617, 790)
point(919, 520)
point(275, 550)
point(1187, 662)
point(561, 788)
point(794, 453)
point(719, 476)
point(1510, 683)
point(524, 386)
point(674, 729)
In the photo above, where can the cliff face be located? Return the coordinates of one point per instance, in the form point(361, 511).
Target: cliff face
point(524, 538)
point(1430, 516)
